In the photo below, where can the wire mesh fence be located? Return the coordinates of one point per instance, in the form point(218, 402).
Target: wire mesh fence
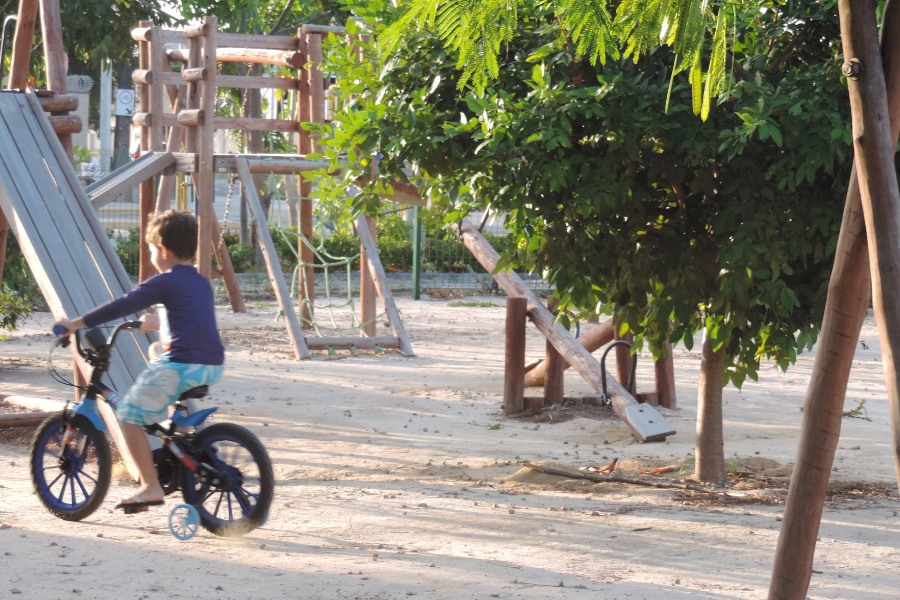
point(445, 266)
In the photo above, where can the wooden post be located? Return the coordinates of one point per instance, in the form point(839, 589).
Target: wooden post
point(206, 177)
point(145, 190)
point(554, 389)
point(366, 288)
point(306, 290)
point(624, 358)
point(22, 42)
point(55, 57)
point(664, 369)
point(514, 371)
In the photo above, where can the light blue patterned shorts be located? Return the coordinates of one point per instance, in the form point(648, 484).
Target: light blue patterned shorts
point(159, 386)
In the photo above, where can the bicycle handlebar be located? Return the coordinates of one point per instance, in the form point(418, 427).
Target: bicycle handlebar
point(60, 331)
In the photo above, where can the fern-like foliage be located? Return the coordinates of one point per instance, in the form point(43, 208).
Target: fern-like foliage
point(478, 29)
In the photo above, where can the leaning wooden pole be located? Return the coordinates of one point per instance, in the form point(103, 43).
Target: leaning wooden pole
point(18, 78)
point(644, 421)
point(845, 310)
point(874, 149)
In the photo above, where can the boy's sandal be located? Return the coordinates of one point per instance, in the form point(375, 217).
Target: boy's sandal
point(137, 503)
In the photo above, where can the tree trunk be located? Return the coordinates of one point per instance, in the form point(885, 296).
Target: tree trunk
point(845, 310)
point(874, 148)
point(710, 452)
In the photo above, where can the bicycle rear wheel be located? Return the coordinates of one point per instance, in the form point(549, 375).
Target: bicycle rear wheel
point(234, 485)
point(70, 481)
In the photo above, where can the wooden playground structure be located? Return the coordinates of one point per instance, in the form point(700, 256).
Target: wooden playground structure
point(177, 82)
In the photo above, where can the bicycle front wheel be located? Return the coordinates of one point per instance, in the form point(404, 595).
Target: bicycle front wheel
point(233, 487)
point(71, 478)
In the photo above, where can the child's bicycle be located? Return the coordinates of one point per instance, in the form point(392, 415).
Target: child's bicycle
point(222, 469)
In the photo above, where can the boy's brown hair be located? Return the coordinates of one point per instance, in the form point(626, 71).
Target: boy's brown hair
point(177, 231)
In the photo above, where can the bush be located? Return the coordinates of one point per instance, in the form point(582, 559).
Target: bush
point(19, 292)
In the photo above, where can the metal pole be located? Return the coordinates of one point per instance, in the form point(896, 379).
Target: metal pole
point(417, 252)
point(3, 41)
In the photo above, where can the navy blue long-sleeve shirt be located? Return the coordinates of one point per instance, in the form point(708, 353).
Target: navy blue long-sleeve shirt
point(190, 308)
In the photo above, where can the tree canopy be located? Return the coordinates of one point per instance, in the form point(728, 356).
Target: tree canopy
point(680, 224)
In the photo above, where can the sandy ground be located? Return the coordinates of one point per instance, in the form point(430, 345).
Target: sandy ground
point(399, 478)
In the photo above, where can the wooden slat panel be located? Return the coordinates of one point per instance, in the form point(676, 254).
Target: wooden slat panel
point(273, 42)
point(64, 248)
point(99, 251)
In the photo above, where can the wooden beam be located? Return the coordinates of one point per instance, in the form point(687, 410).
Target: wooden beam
point(644, 421)
point(55, 60)
point(259, 56)
point(349, 343)
point(273, 265)
point(57, 103)
point(22, 42)
point(128, 177)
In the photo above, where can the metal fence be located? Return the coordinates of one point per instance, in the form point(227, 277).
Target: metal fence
point(443, 266)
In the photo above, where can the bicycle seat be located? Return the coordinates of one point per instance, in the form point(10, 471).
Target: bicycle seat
point(197, 392)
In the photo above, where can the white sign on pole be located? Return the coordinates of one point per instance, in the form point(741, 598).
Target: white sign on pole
point(124, 103)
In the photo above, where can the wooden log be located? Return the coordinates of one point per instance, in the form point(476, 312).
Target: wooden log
point(25, 419)
point(58, 103)
point(644, 421)
point(191, 117)
point(226, 267)
point(592, 340)
point(514, 365)
point(200, 30)
point(142, 34)
point(142, 119)
point(156, 93)
point(193, 75)
point(65, 124)
point(204, 179)
point(273, 265)
point(554, 390)
point(367, 237)
point(624, 358)
point(142, 76)
point(257, 56)
point(256, 124)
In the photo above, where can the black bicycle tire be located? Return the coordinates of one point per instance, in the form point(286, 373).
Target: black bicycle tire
point(103, 460)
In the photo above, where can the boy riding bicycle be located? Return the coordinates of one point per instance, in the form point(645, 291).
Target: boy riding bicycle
point(190, 351)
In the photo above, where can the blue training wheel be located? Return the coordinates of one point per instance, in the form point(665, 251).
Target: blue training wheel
point(184, 522)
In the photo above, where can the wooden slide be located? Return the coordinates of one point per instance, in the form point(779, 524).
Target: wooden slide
point(60, 235)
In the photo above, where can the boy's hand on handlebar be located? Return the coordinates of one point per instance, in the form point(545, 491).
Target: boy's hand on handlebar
point(149, 322)
point(69, 325)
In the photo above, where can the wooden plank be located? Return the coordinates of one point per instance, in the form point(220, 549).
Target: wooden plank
point(644, 421)
point(253, 82)
point(367, 293)
point(274, 163)
point(274, 42)
point(592, 340)
point(255, 124)
point(276, 276)
point(127, 177)
point(367, 237)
